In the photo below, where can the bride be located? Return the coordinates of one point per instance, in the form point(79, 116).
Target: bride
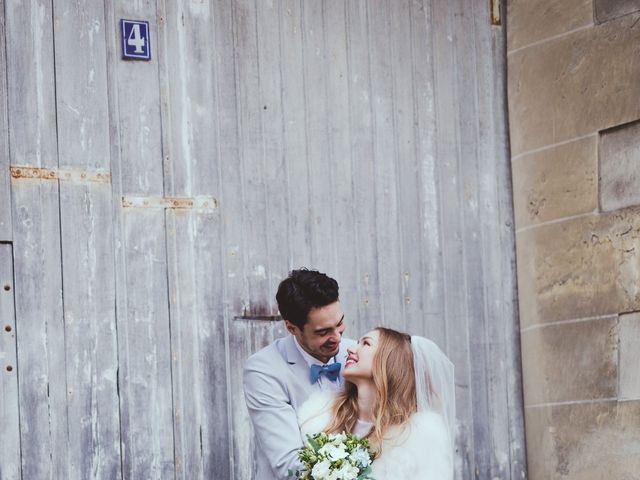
point(399, 393)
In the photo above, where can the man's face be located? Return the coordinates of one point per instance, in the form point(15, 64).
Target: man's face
point(322, 333)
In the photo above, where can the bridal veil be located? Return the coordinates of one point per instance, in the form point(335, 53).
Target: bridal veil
point(435, 384)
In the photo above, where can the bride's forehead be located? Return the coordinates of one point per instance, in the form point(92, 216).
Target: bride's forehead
point(373, 334)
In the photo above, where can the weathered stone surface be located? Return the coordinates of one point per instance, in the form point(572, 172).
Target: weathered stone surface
point(574, 85)
point(606, 10)
point(583, 267)
point(619, 158)
point(584, 441)
point(574, 361)
point(629, 333)
point(556, 182)
point(534, 20)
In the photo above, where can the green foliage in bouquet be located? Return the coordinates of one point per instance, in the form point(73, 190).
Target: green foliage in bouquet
point(335, 456)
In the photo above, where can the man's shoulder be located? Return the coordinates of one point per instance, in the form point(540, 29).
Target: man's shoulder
point(265, 358)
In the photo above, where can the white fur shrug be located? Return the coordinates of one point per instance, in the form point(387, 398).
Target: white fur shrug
point(420, 450)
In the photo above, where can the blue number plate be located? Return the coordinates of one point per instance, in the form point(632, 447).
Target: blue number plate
point(135, 40)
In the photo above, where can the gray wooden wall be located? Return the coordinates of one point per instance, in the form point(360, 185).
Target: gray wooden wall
point(148, 210)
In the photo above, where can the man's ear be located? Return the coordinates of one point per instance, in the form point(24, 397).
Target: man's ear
point(291, 328)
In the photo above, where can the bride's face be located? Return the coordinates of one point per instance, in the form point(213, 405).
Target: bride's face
point(359, 362)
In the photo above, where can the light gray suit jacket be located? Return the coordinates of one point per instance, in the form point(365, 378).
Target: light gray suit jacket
point(276, 383)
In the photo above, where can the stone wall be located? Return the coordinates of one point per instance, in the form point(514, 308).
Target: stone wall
point(574, 107)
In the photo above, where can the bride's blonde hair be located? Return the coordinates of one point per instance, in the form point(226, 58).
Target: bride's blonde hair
point(394, 380)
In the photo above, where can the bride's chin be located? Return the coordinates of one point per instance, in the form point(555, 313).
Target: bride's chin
point(347, 374)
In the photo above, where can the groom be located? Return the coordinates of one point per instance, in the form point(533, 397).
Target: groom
point(280, 377)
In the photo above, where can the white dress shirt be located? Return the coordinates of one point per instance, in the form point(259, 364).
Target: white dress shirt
point(325, 384)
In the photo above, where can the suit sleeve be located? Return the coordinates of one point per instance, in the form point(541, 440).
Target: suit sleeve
point(274, 419)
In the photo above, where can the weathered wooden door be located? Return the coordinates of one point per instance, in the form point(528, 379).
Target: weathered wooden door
point(149, 208)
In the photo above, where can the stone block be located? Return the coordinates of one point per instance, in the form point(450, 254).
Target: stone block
point(571, 361)
point(605, 10)
point(575, 85)
point(583, 267)
point(629, 333)
point(619, 159)
point(556, 182)
point(530, 21)
point(593, 441)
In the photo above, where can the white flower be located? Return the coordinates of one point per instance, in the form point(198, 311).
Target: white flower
point(361, 457)
point(334, 452)
point(334, 475)
point(348, 472)
point(339, 438)
point(321, 470)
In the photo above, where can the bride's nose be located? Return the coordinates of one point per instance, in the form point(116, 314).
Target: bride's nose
point(351, 350)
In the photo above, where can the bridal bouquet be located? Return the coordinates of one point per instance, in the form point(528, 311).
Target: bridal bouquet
point(340, 456)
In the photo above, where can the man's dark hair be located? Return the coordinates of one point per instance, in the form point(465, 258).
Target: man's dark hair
point(303, 290)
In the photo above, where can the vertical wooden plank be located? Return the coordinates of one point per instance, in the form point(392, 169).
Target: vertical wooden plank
point(40, 329)
point(246, 336)
point(384, 157)
point(407, 166)
point(503, 370)
point(6, 233)
point(91, 362)
point(36, 236)
point(321, 205)
point(231, 182)
point(191, 166)
point(467, 117)
point(9, 404)
point(294, 134)
point(361, 133)
point(197, 345)
point(251, 155)
point(275, 168)
point(30, 82)
point(144, 349)
point(433, 325)
point(339, 160)
point(455, 271)
point(186, 38)
point(231, 187)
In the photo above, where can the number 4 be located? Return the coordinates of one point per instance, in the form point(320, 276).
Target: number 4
point(135, 39)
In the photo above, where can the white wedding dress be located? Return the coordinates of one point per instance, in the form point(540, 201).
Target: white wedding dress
point(420, 450)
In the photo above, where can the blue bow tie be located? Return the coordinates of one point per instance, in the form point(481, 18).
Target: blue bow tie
point(329, 371)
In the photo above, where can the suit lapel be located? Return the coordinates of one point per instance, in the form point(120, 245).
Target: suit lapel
point(297, 363)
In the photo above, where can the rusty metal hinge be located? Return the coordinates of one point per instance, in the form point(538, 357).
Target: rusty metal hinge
point(200, 202)
point(63, 174)
point(494, 7)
